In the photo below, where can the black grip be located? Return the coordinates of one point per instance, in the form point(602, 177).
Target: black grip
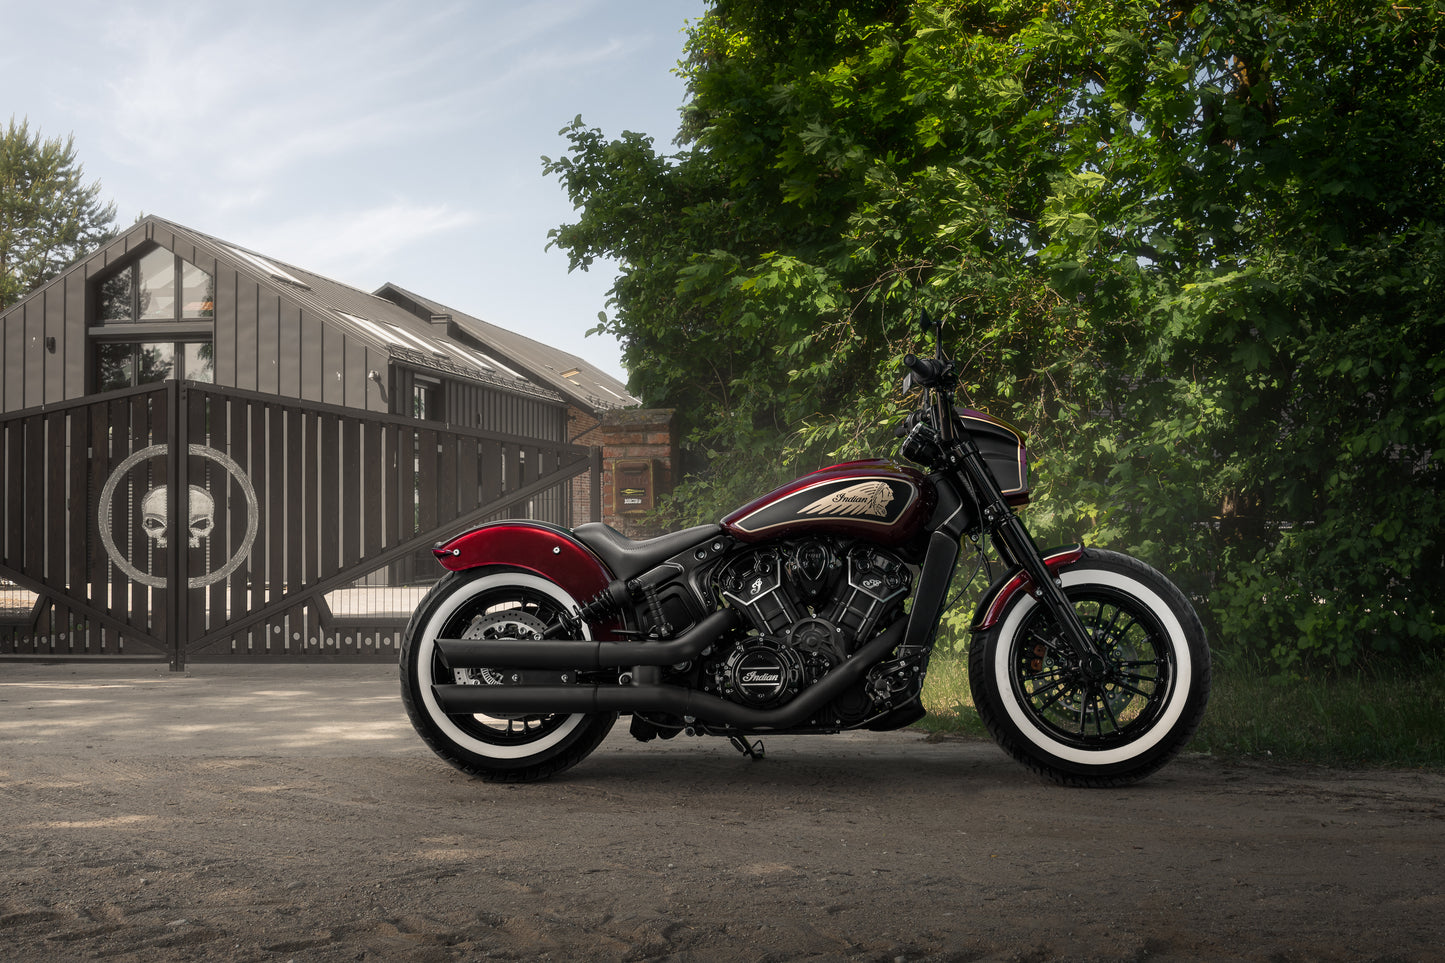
point(927, 369)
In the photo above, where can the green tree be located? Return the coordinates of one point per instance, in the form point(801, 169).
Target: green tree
point(48, 215)
point(1296, 362)
point(1195, 247)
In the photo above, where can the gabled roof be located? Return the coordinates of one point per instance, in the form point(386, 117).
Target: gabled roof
point(380, 322)
point(577, 379)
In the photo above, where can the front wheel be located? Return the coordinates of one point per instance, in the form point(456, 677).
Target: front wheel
point(1110, 723)
point(491, 604)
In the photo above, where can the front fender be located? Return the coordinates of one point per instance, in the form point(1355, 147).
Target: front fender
point(550, 551)
point(998, 596)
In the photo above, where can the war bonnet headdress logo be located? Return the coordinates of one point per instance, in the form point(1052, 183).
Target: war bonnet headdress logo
point(868, 498)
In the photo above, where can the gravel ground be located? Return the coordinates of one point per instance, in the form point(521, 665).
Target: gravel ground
point(290, 813)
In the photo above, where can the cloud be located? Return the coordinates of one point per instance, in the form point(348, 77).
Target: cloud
point(254, 94)
point(349, 244)
point(371, 140)
point(271, 103)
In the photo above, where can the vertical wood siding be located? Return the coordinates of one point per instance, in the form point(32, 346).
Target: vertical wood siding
point(262, 340)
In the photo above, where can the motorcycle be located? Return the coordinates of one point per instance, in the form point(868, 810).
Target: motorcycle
point(812, 609)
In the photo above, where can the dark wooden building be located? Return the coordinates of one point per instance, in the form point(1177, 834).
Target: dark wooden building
point(318, 436)
point(588, 391)
point(163, 301)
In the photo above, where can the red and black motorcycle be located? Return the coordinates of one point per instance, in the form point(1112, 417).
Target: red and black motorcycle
point(793, 615)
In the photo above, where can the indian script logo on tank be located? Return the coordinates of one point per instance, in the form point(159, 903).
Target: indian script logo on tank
point(868, 498)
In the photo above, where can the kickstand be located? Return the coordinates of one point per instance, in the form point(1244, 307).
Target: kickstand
point(753, 751)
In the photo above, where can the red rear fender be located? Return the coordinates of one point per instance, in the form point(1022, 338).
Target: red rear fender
point(546, 550)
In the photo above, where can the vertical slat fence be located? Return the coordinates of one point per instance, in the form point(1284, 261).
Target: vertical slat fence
point(190, 523)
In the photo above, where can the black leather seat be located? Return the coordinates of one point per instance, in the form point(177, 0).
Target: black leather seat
point(628, 558)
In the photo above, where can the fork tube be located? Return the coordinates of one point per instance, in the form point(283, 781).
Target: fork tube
point(1016, 545)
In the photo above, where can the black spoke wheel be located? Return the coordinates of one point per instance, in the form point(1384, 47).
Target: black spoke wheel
point(1109, 720)
point(491, 604)
point(1094, 705)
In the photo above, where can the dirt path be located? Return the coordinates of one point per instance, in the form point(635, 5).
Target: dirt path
point(255, 814)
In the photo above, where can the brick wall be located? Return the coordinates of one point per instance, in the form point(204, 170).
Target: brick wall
point(583, 428)
point(636, 435)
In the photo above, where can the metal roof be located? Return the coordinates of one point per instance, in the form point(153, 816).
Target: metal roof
point(390, 327)
point(575, 378)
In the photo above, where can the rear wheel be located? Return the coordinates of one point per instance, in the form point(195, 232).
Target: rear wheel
point(1112, 722)
point(491, 604)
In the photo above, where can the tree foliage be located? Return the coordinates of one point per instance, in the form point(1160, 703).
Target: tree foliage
point(49, 216)
point(1195, 247)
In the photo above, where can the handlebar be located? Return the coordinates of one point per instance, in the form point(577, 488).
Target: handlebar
point(927, 370)
point(932, 425)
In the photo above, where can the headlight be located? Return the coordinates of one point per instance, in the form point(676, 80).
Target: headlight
point(921, 445)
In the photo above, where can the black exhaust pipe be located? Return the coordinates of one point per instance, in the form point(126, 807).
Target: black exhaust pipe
point(584, 654)
point(673, 699)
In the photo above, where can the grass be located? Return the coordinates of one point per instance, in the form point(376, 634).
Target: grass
point(1391, 717)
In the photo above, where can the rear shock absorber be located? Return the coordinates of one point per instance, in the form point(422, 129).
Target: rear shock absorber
point(617, 598)
point(611, 601)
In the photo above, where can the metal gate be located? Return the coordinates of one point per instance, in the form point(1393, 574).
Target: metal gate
point(190, 523)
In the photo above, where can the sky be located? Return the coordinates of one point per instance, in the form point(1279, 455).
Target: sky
point(366, 141)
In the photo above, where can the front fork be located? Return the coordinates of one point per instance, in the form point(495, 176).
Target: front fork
point(1016, 546)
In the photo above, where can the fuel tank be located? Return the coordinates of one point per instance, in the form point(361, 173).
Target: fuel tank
point(879, 500)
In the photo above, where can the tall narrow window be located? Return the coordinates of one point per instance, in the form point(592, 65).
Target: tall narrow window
point(158, 286)
point(426, 400)
point(114, 366)
point(117, 297)
point(196, 361)
point(198, 292)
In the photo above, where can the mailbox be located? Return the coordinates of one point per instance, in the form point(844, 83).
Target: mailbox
point(635, 484)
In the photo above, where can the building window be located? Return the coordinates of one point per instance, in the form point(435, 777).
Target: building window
point(160, 286)
point(153, 322)
point(124, 364)
point(426, 400)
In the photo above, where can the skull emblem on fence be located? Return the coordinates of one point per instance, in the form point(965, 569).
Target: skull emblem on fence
point(200, 524)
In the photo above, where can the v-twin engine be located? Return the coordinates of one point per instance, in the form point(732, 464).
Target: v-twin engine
point(807, 605)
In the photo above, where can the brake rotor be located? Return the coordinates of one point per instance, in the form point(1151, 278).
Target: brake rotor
point(507, 624)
